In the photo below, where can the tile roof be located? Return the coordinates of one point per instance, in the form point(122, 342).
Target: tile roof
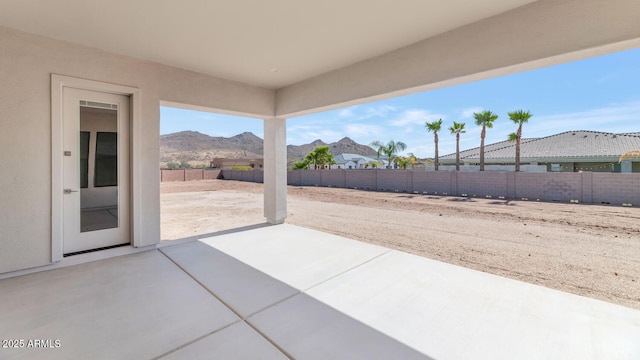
point(570, 144)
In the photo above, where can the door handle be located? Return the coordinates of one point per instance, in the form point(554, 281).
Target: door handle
point(69, 191)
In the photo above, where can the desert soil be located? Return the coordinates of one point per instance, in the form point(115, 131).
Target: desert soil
point(589, 250)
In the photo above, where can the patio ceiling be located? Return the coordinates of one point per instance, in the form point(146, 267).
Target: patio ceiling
point(245, 40)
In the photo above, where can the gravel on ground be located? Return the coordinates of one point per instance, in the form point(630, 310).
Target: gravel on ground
point(589, 250)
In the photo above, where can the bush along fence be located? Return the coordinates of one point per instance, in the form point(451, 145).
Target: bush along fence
point(585, 187)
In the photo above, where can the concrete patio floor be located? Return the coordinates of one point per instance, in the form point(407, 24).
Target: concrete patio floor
point(278, 292)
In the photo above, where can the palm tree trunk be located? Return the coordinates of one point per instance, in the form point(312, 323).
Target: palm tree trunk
point(482, 135)
point(457, 152)
point(517, 154)
point(518, 135)
point(435, 139)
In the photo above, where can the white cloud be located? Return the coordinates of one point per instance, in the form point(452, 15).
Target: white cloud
point(363, 130)
point(304, 134)
point(346, 113)
point(414, 117)
point(468, 113)
point(363, 112)
point(615, 118)
point(379, 110)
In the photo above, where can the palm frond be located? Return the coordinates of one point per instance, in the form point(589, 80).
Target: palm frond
point(629, 155)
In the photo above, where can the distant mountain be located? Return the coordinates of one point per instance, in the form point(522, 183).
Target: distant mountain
point(344, 145)
point(199, 149)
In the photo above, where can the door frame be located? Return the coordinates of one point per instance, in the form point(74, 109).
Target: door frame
point(58, 82)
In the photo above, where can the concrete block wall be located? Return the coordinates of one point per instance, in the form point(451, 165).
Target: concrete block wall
point(248, 176)
point(511, 186)
point(487, 184)
point(365, 179)
point(529, 186)
point(294, 177)
point(335, 178)
point(258, 176)
point(212, 174)
point(586, 187)
point(193, 174)
point(188, 174)
point(172, 175)
point(394, 180)
point(440, 182)
point(611, 188)
point(310, 177)
point(562, 187)
point(229, 174)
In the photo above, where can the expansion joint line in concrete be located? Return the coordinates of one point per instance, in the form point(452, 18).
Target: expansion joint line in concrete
point(242, 318)
point(347, 270)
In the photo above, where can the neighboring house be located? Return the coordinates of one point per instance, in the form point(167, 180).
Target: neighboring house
point(570, 151)
point(224, 163)
point(355, 161)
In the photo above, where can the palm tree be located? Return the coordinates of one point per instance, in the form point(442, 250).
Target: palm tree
point(312, 159)
point(412, 159)
point(319, 157)
point(457, 129)
point(390, 149)
point(629, 155)
point(404, 161)
point(484, 119)
point(513, 137)
point(374, 164)
point(329, 160)
point(324, 156)
point(434, 127)
point(300, 165)
point(519, 117)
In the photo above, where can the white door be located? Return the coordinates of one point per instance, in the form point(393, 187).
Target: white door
point(95, 170)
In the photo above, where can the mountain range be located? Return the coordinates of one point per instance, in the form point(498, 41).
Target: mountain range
point(199, 149)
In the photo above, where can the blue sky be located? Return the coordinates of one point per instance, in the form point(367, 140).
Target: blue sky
point(601, 94)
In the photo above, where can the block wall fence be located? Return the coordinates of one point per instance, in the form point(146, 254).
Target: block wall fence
point(188, 175)
point(585, 187)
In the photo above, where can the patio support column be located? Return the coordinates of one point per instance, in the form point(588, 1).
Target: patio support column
point(275, 170)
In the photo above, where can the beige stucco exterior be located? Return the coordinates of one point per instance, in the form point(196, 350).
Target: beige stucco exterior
point(545, 32)
point(26, 65)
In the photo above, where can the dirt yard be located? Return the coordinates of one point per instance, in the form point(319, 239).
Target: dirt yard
point(588, 250)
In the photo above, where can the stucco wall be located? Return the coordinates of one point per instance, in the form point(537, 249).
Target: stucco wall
point(26, 64)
